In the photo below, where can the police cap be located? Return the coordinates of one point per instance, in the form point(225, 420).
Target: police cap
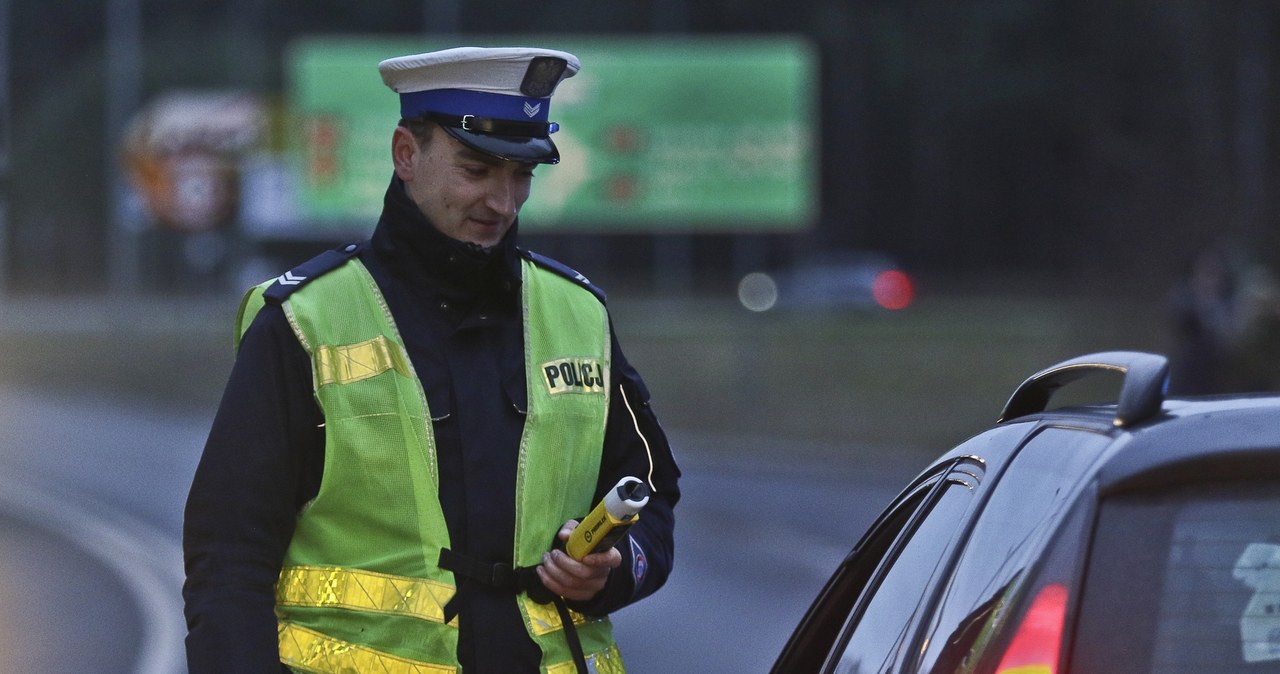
point(494, 100)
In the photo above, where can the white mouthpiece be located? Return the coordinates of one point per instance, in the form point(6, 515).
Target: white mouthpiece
point(627, 498)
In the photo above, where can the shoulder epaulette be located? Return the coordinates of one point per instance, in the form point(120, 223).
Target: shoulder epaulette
point(289, 282)
point(566, 271)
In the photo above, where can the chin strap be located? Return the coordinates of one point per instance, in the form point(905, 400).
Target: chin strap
point(494, 127)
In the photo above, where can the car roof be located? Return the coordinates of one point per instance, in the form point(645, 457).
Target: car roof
point(1199, 440)
point(1186, 440)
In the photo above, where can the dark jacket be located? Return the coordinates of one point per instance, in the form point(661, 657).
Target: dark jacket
point(458, 310)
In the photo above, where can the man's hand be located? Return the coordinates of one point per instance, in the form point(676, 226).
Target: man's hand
point(577, 580)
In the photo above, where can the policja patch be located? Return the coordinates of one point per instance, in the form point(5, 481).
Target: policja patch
point(574, 375)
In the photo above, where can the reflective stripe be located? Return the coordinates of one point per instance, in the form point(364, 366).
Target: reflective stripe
point(311, 651)
point(354, 362)
point(380, 436)
point(608, 661)
point(544, 619)
point(328, 586)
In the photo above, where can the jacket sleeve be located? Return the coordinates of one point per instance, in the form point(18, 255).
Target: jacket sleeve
point(261, 462)
point(635, 445)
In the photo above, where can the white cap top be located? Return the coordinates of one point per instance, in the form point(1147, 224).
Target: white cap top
point(498, 70)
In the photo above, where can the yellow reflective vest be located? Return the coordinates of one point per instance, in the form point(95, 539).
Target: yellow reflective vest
point(361, 590)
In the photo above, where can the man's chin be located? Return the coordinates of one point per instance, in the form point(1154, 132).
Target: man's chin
point(485, 236)
point(483, 244)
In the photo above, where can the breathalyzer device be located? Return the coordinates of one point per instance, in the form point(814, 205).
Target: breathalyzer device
point(610, 519)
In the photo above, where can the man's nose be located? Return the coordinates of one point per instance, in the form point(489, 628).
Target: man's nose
point(502, 196)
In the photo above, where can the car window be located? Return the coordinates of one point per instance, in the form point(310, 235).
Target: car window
point(1027, 504)
point(873, 638)
point(816, 636)
point(1184, 580)
point(825, 632)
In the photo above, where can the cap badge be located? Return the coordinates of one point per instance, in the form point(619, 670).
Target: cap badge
point(531, 110)
point(542, 76)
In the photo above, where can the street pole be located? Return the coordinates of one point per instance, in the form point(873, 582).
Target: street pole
point(1251, 123)
point(6, 136)
point(124, 93)
point(673, 259)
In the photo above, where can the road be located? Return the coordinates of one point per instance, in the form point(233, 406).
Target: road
point(755, 541)
point(91, 493)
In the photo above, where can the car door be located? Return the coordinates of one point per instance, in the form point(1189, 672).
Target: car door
point(1027, 507)
point(869, 609)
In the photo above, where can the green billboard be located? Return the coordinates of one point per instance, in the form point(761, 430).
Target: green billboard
point(674, 134)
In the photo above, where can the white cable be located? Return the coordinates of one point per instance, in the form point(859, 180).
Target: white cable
point(636, 423)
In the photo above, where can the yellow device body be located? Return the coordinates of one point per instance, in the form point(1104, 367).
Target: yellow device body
point(609, 520)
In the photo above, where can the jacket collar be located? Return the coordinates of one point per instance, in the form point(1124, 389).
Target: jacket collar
point(418, 253)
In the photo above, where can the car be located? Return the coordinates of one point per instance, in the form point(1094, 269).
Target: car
point(849, 280)
point(1140, 535)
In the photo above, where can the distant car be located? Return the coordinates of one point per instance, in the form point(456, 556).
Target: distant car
point(1139, 536)
point(850, 280)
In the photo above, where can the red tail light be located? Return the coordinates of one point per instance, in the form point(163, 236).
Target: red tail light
point(893, 289)
point(1036, 644)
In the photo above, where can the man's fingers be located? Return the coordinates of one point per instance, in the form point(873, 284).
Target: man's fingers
point(567, 569)
point(577, 580)
point(608, 559)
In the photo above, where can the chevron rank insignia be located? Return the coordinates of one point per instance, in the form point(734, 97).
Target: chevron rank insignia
point(290, 279)
point(289, 282)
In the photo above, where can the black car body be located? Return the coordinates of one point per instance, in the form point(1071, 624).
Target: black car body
point(1139, 536)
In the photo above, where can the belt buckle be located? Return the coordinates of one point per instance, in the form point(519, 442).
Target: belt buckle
point(502, 576)
point(465, 126)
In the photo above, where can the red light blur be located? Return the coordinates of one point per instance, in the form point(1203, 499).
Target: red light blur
point(1035, 646)
point(893, 290)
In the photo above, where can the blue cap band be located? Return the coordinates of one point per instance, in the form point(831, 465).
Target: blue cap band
point(478, 103)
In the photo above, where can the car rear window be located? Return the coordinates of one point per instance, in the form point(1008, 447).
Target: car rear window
point(1184, 580)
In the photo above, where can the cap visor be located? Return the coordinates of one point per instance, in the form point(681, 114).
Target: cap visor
point(510, 148)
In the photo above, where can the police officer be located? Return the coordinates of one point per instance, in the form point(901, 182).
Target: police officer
point(414, 423)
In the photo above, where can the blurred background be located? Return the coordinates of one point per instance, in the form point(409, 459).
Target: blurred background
point(835, 235)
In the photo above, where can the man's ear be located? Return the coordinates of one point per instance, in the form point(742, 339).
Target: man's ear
point(403, 148)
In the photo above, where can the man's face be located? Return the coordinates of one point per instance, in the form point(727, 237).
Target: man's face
point(467, 195)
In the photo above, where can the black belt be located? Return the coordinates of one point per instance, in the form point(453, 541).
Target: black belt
point(515, 580)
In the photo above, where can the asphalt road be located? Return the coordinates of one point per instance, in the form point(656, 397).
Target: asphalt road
point(91, 492)
point(90, 522)
point(755, 541)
